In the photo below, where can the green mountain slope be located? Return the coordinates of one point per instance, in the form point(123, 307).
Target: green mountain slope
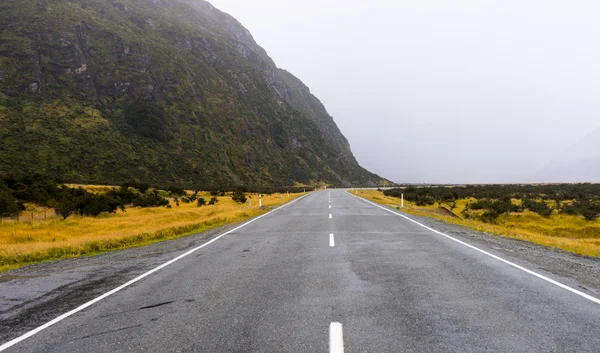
point(162, 91)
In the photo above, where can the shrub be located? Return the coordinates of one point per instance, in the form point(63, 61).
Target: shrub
point(539, 207)
point(201, 201)
point(175, 190)
point(239, 197)
point(587, 209)
point(213, 201)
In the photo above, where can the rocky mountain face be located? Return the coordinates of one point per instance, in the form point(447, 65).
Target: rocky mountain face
point(161, 91)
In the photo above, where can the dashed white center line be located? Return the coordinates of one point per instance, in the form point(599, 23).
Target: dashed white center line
point(336, 338)
point(331, 240)
point(330, 216)
point(329, 206)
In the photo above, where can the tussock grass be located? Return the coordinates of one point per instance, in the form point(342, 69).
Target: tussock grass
point(31, 242)
point(569, 233)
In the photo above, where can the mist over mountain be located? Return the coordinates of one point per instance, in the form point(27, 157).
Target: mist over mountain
point(578, 163)
point(161, 91)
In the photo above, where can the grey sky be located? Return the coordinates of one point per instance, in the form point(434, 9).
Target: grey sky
point(444, 91)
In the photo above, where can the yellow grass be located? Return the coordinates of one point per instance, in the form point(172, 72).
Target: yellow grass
point(565, 232)
point(29, 242)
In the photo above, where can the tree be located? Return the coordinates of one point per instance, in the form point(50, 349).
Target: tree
point(9, 205)
point(65, 207)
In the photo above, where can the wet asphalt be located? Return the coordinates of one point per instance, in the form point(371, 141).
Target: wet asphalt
point(277, 284)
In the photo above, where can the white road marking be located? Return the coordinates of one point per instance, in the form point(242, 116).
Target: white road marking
point(329, 206)
point(331, 241)
point(540, 276)
point(336, 338)
point(330, 216)
point(121, 287)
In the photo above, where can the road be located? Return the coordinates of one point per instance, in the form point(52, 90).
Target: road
point(331, 267)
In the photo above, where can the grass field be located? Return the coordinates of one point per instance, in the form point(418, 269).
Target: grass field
point(23, 243)
point(566, 232)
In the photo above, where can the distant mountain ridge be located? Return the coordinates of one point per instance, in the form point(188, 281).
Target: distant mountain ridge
point(161, 91)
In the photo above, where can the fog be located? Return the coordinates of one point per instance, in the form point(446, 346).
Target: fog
point(447, 91)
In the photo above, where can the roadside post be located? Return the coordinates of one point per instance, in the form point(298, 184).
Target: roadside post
point(402, 200)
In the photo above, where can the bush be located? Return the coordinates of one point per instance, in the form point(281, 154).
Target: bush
point(175, 190)
point(213, 201)
point(201, 202)
point(587, 209)
point(94, 205)
point(539, 207)
point(152, 200)
point(239, 197)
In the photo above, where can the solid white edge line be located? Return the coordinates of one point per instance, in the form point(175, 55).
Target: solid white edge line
point(331, 240)
point(121, 287)
point(336, 338)
point(549, 280)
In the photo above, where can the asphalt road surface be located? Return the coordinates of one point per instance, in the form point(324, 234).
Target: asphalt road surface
point(332, 273)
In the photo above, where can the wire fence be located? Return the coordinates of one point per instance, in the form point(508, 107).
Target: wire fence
point(28, 216)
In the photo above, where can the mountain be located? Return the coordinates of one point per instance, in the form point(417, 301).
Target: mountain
point(160, 91)
point(578, 163)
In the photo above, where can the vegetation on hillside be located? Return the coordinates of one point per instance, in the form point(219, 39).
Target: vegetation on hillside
point(103, 92)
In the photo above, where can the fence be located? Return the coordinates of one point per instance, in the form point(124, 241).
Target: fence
point(28, 216)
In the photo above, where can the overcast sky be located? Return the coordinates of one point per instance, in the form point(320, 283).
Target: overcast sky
point(443, 91)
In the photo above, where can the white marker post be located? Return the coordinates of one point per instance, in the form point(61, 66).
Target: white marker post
point(259, 201)
point(402, 200)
